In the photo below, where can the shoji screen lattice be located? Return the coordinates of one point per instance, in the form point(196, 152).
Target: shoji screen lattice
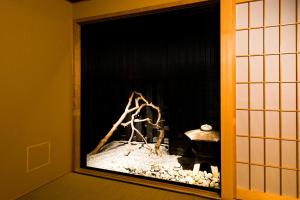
point(267, 96)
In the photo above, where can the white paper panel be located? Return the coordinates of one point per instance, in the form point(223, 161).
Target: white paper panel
point(288, 71)
point(256, 41)
point(241, 122)
point(299, 157)
point(242, 175)
point(288, 11)
point(256, 96)
point(272, 40)
point(272, 96)
point(273, 180)
point(242, 15)
point(289, 183)
point(257, 150)
point(298, 21)
point(257, 123)
point(257, 178)
point(298, 35)
point(256, 68)
point(272, 68)
point(299, 129)
point(288, 96)
point(288, 42)
point(272, 12)
point(242, 150)
point(242, 95)
point(272, 124)
point(242, 42)
point(288, 124)
point(256, 14)
point(272, 152)
point(242, 69)
point(288, 154)
point(299, 63)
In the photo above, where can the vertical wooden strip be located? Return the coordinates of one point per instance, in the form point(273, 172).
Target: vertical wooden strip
point(249, 112)
point(297, 106)
point(264, 92)
point(76, 94)
point(228, 116)
point(280, 108)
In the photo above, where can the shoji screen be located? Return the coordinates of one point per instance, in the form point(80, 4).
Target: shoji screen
point(267, 96)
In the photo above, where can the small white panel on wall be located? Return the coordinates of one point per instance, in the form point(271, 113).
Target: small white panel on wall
point(38, 156)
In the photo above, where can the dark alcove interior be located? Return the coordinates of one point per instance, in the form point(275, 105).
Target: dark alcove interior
point(171, 57)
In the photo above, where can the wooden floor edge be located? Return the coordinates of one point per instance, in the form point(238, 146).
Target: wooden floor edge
point(149, 183)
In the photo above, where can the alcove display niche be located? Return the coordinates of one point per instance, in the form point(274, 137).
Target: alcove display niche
point(150, 105)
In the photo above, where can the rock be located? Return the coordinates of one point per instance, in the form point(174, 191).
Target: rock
point(215, 171)
point(190, 180)
point(206, 127)
point(148, 173)
point(201, 173)
point(206, 183)
point(189, 173)
point(217, 185)
point(215, 179)
point(177, 165)
point(209, 175)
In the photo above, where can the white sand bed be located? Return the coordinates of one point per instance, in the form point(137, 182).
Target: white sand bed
point(141, 161)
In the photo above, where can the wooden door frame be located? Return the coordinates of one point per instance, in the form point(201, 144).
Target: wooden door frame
point(227, 62)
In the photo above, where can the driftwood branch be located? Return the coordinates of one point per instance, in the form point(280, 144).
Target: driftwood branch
point(138, 98)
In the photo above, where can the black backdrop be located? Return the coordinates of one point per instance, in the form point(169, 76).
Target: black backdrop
point(171, 57)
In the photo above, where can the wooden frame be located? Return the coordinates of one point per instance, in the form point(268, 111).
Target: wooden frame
point(250, 194)
point(227, 60)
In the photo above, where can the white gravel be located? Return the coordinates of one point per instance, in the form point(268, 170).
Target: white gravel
point(141, 161)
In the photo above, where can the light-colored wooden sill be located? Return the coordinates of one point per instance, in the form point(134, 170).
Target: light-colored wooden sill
point(255, 195)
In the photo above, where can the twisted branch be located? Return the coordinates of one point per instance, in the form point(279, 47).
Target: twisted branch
point(136, 109)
